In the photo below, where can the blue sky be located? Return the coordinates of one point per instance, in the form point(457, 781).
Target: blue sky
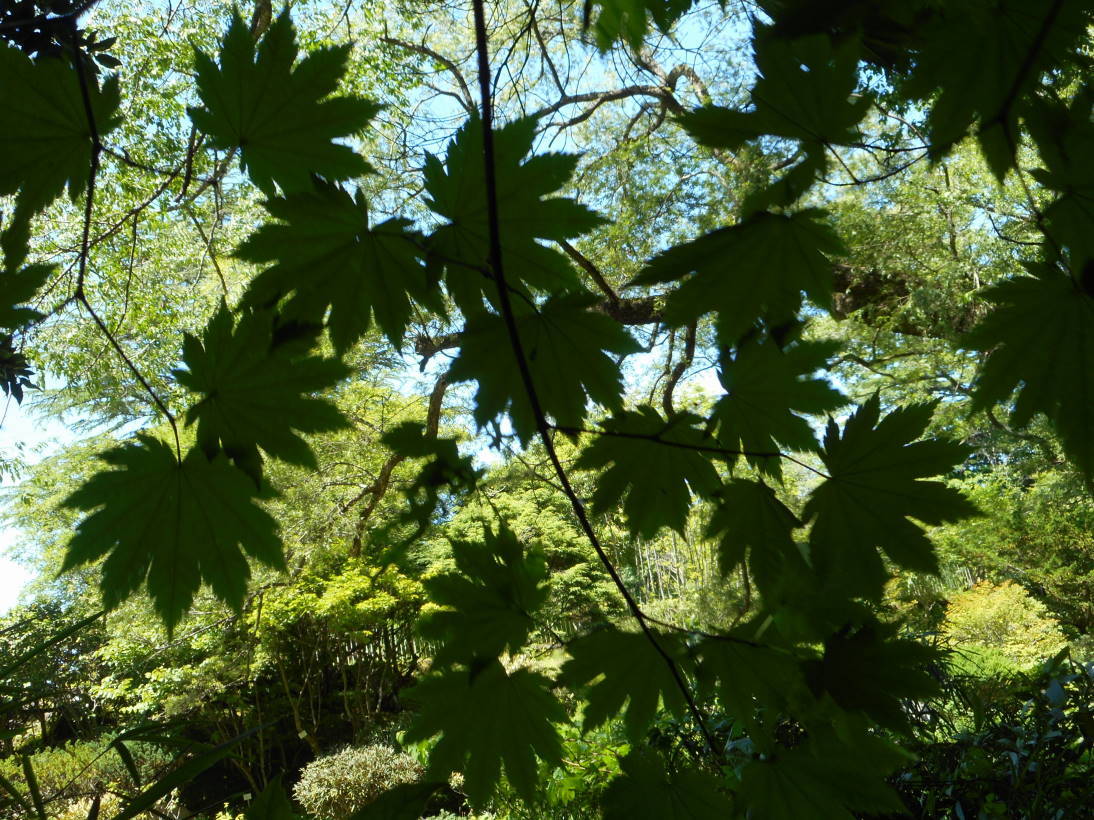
point(37, 437)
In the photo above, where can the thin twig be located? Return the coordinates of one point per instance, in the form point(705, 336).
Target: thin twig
point(517, 346)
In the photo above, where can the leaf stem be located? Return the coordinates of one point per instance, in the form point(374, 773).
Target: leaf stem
point(526, 375)
point(80, 293)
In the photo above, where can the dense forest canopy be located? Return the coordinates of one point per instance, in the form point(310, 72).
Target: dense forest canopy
point(521, 409)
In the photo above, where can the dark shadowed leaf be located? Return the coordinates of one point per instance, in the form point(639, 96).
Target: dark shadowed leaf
point(487, 718)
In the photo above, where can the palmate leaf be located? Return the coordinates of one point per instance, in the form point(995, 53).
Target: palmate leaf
point(488, 603)
point(487, 718)
point(803, 93)
point(457, 192)
point(565, 347)
point(870, 670)
point(444, 471)
point(1041, 338)
point(1065, 140)
point(45, 138)
point(281, 117)
point(17, 288)
point(878, 481)
point(984, 58)
point(755, 269)
point(617, 668)
point(626, 20)
point(271, 804)
point(746, 677)
point(646, 789)
point(828, 779)
point(407, 801)
point(748, 515)
point(648, 460)
point(767, 386)
point(172, 526)
point(256, 396)
point(326, 256)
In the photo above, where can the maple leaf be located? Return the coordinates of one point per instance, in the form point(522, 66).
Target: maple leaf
point(445, 469)
point(487, 718)
point(983, 59)
point(45, 138)
point(756, 268)
point(255, 395)
point(746, 676)
point(171, 525)
point(748, 515)
point(1041, 338)
point(868, 669)
point(766, 387)
point(489, 602)
point(642, 464)
point(645, 789)
point(627, 19)
point(18, 287)
point(1065, 140)
point(618, 668)
point(804, 93)
point(564, 347)
point(280, 117)
point(457, 192)
point(876, 484)
point(822, 779)
point(407, 801)
point(325, 254)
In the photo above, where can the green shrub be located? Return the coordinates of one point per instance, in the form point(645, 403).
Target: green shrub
point(1004, 618)
point(335, 786)
point(70, 776)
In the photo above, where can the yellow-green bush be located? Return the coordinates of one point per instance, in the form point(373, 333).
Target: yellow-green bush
point(1006, 619)
point(335, 786)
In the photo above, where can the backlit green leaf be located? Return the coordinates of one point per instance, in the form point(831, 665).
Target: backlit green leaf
point(755, 269)
point(879, 479)
point(649, 463)
point(256, 396)
point(1041, 341)
point(45, 137)
point(324, 253)
point(617, 668)
point(171, 526)
point(487, 718)
point(566, 348)
point(281, 117)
